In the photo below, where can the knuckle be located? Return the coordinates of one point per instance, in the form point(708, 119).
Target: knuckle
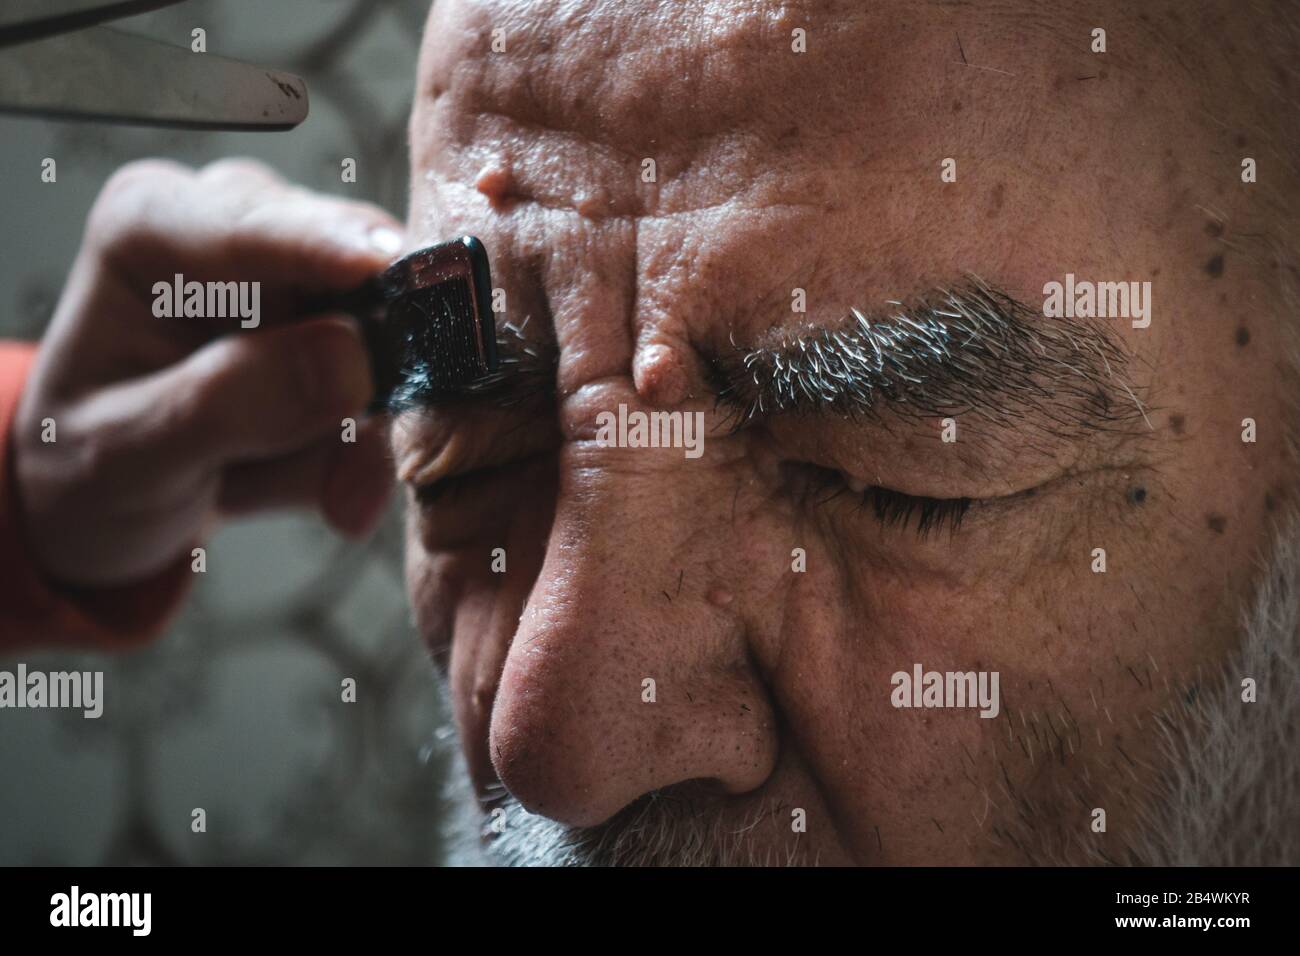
point(186, 414)
point(143, 174)
point(128, 191)
point(237, 171)
point(90, 457)
point(360, 210)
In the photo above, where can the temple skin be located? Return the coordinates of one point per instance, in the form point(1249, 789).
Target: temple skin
point(821, 170)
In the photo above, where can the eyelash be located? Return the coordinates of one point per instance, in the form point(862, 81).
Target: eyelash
point(446, 489)
point(450, 487)
point(894, 509)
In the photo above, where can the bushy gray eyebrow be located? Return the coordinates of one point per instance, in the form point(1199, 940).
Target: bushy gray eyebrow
point(971, 349)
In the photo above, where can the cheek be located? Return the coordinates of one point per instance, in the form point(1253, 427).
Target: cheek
point(467, 636)
point(473, 672)
point(431, 595)
point(467, 604)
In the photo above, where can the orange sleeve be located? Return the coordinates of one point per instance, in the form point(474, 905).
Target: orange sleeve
point(34, 613)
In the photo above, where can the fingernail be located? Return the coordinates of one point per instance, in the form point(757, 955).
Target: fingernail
point(385, 240)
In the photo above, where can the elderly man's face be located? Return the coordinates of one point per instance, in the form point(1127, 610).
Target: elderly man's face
point(655, 184)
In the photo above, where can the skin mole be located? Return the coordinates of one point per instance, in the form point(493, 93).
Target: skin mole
point(1216, 523)
point(1243, 337)
point(1214, 268)
point(496, 183)
point(1136, 495)
point(1177, 423)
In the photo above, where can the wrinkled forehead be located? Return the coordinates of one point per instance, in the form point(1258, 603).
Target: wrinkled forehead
point(723, 96)
point(731, 85)
point(705, 160)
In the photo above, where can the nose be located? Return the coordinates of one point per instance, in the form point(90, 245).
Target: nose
point(630, 671)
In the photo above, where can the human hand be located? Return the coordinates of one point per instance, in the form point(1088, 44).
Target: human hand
point(162, 426)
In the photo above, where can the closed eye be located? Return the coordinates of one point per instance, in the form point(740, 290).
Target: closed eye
point(450, 487)
point(895, 509)
point(892, 508)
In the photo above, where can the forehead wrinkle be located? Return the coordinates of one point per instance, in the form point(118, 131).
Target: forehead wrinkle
point(623, 83)
point(968, 350)
point(574, 67)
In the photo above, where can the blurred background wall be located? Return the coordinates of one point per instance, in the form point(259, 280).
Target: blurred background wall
point(237, 709)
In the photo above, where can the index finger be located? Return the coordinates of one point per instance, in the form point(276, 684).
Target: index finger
point(237, 220)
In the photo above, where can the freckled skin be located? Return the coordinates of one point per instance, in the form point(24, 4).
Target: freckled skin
point(781, 692)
